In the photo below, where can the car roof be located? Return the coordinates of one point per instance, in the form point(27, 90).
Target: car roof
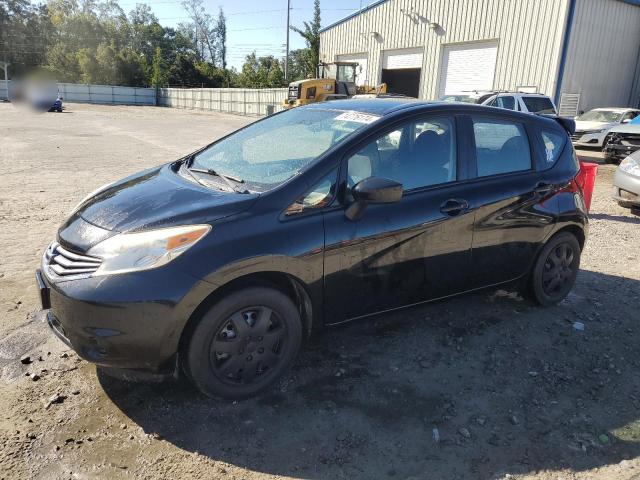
point(375, 106)
point(387, 106)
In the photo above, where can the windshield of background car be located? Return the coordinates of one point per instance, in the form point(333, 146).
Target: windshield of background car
point(459, 98)
point(600, 116)
point(270, 152)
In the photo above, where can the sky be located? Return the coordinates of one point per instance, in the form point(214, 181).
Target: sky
point(258, 25)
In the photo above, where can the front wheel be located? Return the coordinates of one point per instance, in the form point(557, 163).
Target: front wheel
point(243, 343)
point(555, 270)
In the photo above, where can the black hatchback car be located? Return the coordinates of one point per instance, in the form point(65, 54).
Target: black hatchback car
point(221, 263)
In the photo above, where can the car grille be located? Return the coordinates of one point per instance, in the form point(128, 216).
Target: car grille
point(64, 263)
point(576, 136)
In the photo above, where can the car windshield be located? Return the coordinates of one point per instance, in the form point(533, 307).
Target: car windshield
point(269, 152)
point(608, 116)
point(459, 98)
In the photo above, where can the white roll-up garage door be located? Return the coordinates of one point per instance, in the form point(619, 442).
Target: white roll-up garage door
point(361, 70)
point(468, 66)
point(406, 58)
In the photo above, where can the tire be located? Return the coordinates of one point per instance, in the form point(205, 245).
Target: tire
point(244, 343)
point(555, 270)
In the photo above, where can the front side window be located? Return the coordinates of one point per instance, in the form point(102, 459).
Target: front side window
point(501, 147)
point(273, 150)
point(507, 102)
point(418, 154)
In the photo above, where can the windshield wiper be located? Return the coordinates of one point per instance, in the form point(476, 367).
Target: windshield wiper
point(227, 178)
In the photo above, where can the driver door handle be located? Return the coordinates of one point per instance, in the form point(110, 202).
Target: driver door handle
point(454, 206)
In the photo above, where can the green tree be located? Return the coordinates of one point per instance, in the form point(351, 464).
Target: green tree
point(159, 75)
point(311, 36)
point(221, 39)
point(261, 72)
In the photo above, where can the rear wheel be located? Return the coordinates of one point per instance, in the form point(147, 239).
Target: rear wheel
point(555, 270)
point(244, 343)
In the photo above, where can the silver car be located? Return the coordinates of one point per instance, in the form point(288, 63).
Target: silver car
point(626, 183)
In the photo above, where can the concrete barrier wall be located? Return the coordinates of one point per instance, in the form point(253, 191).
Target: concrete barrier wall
point(242, 101)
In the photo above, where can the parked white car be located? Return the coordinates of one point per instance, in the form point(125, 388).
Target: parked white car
point(593, 126)
point(522, 102)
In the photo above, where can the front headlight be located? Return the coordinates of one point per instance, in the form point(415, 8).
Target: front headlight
point(631, 166)
point(132, 252)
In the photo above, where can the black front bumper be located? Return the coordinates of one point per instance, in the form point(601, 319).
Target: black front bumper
point(129, 321)
point(619, 152)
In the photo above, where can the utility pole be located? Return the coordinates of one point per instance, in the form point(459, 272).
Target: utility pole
point(286, 58)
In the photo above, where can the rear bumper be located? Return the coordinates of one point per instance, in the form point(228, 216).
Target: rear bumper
point(618, 152)
point(129, 321)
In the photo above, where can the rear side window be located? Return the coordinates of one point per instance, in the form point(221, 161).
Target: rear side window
point(501, 147)
point(538, 104)
point(553, 145)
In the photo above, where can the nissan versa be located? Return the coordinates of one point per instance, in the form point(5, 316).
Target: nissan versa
point(220, 264)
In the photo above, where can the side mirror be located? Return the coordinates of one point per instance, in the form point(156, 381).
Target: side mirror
point(372, 190)
point(626, 120)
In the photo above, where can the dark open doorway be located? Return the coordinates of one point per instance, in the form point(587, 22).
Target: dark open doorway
point(404, 80)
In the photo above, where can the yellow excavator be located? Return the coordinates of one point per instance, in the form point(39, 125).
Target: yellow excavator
point(336, 80)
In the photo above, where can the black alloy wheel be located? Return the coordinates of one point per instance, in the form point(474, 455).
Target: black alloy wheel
point(243, 343)
point(556, 268)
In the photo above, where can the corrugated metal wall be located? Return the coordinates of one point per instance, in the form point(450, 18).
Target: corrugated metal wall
point(603, 54)
point(103, 94)
point(107, 94)
point(529, 35)
point(242, 101)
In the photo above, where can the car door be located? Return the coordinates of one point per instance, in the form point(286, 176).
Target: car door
point(508, 195)
point(406, 252)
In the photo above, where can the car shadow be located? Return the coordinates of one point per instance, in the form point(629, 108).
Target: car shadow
point(474, 387)
point(615, 218)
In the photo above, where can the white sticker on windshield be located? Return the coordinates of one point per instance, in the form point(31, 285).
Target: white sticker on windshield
point(357, 117)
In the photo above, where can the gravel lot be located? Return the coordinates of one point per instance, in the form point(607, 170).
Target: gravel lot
point(483, 386)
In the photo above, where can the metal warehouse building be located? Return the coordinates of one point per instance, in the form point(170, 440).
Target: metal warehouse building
point(582, 53)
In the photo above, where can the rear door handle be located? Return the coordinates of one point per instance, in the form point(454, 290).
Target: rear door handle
point(453, 207)
point(542, 188)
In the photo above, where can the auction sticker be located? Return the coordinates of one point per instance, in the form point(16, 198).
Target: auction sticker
point(357, 117)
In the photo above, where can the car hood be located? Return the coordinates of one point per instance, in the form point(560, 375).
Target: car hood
point(582, 125)
point(626, 128)
point(155, 198)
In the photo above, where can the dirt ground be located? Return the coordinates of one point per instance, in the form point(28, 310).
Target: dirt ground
point(484, 386)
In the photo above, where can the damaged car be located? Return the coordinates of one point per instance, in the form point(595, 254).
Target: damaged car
point(622, 141)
